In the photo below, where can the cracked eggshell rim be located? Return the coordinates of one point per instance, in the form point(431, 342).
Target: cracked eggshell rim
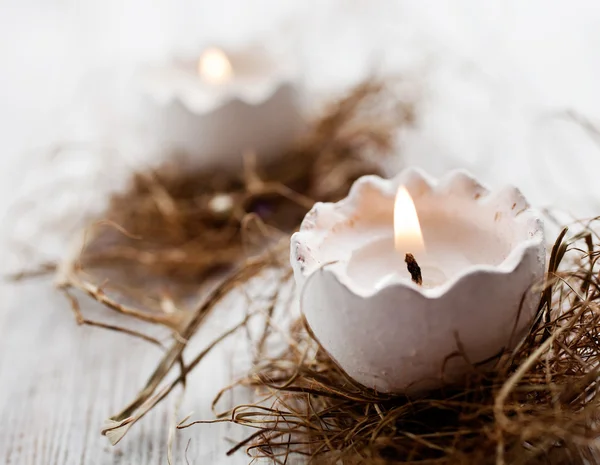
point(203, 99)
point(201, 103)
point(323, 216)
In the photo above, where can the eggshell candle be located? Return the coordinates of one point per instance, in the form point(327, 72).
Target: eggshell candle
point(483, 252)
point(213, 108)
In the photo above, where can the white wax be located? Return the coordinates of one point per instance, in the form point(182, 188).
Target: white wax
point(377, 264)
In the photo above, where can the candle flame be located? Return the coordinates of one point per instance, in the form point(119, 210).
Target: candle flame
point(214, 66)
point(407, 230)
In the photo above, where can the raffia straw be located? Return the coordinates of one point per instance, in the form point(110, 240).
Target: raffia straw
point(183, 234)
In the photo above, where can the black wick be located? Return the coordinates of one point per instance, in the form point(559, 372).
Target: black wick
point(413, 268)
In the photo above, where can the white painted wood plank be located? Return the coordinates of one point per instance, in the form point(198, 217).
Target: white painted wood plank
point(59, 382)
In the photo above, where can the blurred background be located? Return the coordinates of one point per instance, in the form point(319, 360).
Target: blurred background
point(508, 90)
point(498, 84)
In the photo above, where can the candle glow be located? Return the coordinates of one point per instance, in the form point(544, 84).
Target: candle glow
point(214, 66)
point(408, 237)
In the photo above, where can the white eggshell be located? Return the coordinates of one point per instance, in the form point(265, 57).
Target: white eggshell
point(403, 337)
point(212, 125)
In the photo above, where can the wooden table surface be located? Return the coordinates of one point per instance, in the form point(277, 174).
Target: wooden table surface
point(60, 382)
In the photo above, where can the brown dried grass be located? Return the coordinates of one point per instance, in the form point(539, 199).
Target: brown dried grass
point(176, 228)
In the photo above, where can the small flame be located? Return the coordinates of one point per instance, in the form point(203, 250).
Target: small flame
point(407, 230)
point(214, 66)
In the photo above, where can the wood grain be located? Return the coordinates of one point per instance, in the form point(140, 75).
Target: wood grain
point(59, 382)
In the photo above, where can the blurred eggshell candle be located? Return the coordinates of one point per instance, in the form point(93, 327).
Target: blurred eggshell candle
point(213, 108)
point(480, 255)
